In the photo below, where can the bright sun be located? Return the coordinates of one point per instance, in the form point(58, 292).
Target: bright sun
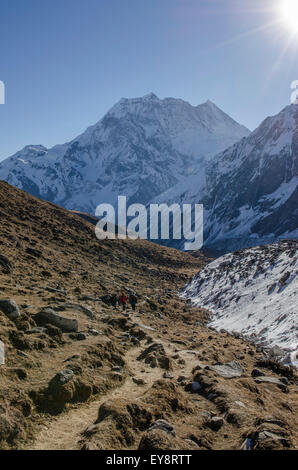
point(290, 14)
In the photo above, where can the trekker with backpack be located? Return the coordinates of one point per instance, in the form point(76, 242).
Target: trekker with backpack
point(133, 300)
point(123, 300)
point(114, 300)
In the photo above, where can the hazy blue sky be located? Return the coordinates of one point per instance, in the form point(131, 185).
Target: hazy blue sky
point(66, 62)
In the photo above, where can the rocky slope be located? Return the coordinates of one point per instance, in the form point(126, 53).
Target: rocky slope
point(140, 148)
point(250, 193)
point(156, 378)
point(253, 292)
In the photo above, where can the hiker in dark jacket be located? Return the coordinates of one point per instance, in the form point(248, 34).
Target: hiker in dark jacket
point(114, 300)
point(133, 300)
point(123, 300)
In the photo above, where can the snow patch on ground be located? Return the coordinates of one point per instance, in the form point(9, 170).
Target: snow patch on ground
point(253, 292)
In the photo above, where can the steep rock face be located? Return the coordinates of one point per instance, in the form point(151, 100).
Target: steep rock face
point(140, 148)
point(250, 190)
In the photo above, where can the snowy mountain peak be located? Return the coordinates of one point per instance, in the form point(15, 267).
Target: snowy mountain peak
point(255, 186)
point(250, 190)
point(151, 96)
point(140, 148)
point(31, 152)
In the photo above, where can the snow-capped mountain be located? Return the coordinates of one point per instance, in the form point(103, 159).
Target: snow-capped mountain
point(250, 191)
point(140, 148)
point(253, 292)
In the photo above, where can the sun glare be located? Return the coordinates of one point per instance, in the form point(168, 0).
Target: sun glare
point(290, 14)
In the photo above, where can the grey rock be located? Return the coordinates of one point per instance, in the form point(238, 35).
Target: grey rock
point(22, 354)
point(229, 370)
point(195, 387)
point(83, 309)
point(94, 332)
point(216, 423)
point(270, 380)
point(10, 308)
point(167, 375)
point(81, 336)
point(275, 421)
point(264, 435)
point(49, 316)
point(52, 289)
point(257, 373)
point(276, 352)
point(291, 359)
point(2, 353)
point(240, 356)
point(38, 329)
point(147, 327)
point(207, 414)
point(138, 381)
point(240, 403)
point(163, 425)
point(61, 378)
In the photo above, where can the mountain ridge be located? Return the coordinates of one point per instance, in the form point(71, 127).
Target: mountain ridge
point(140, 148)
point(250, 190)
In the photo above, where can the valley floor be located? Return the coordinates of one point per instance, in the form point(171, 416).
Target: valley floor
point(153, 379)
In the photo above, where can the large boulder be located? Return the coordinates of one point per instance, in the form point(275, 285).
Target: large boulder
point(61, 378)
point(270, 434)
point(79, 307)
point(48, 315)
point(10, 308)
point(229, 370)
point(271, 380)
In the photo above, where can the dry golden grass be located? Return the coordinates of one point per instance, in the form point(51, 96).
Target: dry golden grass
point(72, 266)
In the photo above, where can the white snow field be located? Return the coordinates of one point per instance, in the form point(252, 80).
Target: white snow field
point(253, 292)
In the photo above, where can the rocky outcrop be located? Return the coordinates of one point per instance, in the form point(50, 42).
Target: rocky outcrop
point(49, 316)
point(228, 371)
point(155, 355)
point(10, 308)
